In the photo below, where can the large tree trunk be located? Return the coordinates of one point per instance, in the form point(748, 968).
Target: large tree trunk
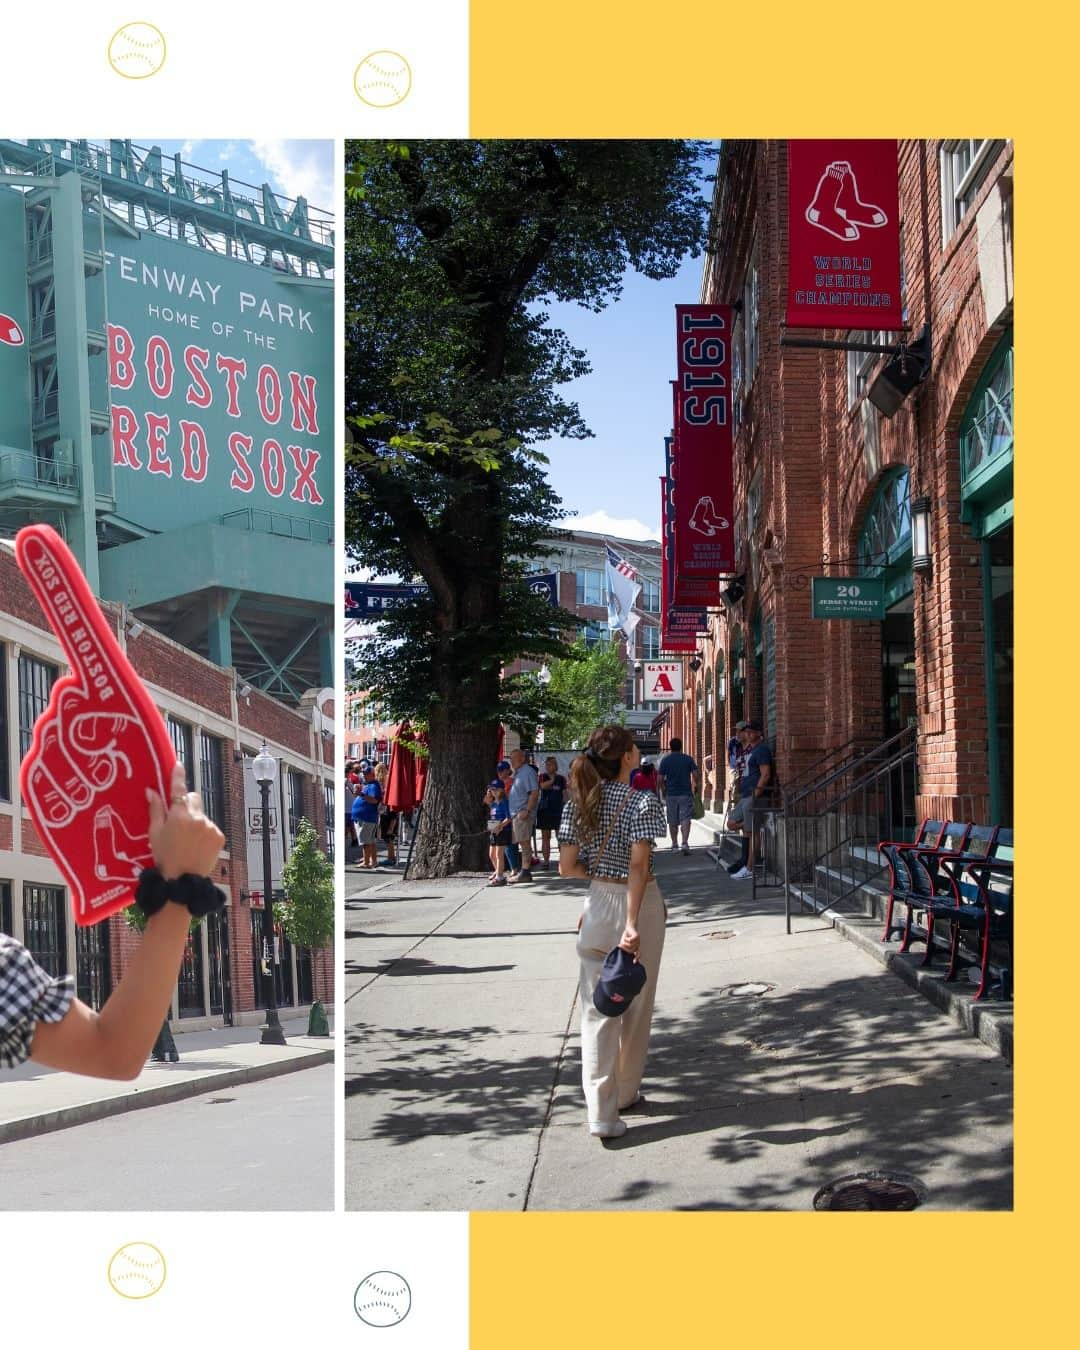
point(452, 834)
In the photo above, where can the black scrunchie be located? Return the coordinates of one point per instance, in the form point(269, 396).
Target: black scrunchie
point(199, 894)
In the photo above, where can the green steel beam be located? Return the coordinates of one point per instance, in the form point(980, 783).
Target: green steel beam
point(72, 367)
point(201, 557)
point(219, 627)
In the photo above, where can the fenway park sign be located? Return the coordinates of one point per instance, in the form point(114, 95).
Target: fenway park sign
point(220, 386)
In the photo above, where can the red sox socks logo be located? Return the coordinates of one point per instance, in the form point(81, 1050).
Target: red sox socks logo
point(98, 745)
point(837, 208)
point(10, 332)
point(705, 520)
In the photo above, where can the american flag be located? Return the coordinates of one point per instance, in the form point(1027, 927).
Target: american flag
point(624, 589)
point(620, 564)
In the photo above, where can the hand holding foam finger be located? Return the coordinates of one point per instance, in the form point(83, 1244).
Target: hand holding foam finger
point(183, 839)
point(98, 746)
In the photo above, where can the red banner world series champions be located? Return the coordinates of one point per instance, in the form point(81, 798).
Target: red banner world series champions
point(843, 235)
point(704, 484)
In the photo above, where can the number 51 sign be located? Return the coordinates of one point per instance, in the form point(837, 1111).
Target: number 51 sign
point(848, 598)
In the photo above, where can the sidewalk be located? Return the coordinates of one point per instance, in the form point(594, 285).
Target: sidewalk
point(778, 1064)
point(34, 1100)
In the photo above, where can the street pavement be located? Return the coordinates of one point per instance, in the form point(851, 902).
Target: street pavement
point(34, 1100)
point(265, 1145)
point(778, 1063)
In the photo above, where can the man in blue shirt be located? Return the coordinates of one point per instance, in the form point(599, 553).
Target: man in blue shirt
point(754, 792)
point(680, 778)
point(523, 797)
point(365, 815)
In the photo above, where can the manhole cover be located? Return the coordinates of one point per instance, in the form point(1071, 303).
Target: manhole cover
point(720, 933)
point(747, 987)
point(871, 1191)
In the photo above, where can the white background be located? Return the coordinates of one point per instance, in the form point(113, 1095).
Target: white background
point(233, 69)
point(236, 71)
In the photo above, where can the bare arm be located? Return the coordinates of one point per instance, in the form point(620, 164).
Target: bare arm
point(569, 862)
point(115, 1042)
point(635, 893)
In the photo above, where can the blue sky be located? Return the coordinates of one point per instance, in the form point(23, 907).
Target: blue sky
point(611, 482)
point(293, 168)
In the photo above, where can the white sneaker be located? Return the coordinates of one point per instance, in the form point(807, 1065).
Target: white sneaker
point(615, 1131)
point(743, 874)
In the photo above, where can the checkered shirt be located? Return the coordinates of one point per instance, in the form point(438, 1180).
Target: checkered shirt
point(643, 818)
point(28, 995)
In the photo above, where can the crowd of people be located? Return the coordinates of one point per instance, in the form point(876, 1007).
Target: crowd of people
point(369, 820)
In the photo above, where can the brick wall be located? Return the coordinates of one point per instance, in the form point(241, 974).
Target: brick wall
point(806, 446)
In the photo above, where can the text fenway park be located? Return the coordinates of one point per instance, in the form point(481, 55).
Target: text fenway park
point(153, 444)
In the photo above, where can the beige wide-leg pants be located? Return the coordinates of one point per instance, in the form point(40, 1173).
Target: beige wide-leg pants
point(613, 1049)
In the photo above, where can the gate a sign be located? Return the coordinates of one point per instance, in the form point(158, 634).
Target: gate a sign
point(663, 681)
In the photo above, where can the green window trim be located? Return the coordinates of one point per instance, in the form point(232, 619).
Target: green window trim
point(987, 447)
point(886, 533)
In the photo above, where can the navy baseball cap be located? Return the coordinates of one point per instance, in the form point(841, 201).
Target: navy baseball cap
point(503, 764)
point(495, 783)
point(621, 980)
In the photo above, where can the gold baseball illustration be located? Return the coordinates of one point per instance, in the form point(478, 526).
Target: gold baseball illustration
point(137, 1270)
point(383, 79)
point(137, 51)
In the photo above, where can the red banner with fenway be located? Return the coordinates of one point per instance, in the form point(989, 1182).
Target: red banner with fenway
point(704, 486)
point(843, 235)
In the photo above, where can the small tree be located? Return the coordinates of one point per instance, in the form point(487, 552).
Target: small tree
point(587, 688)
point(307, 912)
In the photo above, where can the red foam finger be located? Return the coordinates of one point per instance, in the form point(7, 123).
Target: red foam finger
point(98, 745)
point(10, 332)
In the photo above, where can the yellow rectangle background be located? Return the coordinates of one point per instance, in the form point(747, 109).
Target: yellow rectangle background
point(695, 69)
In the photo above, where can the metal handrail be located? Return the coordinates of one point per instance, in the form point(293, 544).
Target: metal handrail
point(821, 766)
point(870, 784)
point(867, 757)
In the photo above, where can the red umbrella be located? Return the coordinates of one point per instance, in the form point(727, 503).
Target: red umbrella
point(401, 791)
point(421, 767)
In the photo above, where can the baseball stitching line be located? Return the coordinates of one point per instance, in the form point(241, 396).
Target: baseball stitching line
point(379, 68)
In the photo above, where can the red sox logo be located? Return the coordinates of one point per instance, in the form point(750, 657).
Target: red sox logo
point(96, 748)
point(10, 332)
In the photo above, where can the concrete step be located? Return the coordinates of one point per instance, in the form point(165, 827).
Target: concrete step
point(991, 1020)
point(871, 895)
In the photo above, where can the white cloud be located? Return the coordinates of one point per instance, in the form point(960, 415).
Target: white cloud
point(298, 170)
point(601, 523)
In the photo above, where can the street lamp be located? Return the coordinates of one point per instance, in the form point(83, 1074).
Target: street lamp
point(544, 675)
point(265, 768)
point(920, 534)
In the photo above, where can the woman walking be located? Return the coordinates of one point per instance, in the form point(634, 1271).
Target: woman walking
point(607, 835)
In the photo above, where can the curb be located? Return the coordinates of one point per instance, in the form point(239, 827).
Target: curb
point(994, 1031)
point(27, 1127)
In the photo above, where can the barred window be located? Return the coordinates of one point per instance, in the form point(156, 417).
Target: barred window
point(181, 736)
point(213, 781)
point(650, 596)
point(331, 819)
point(36, 679)
point(5, 767)
point(296, 801)
point(44, 927)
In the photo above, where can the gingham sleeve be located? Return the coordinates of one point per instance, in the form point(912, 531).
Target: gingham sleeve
point(568, 825)
point(28, 995)
point(646, 816)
